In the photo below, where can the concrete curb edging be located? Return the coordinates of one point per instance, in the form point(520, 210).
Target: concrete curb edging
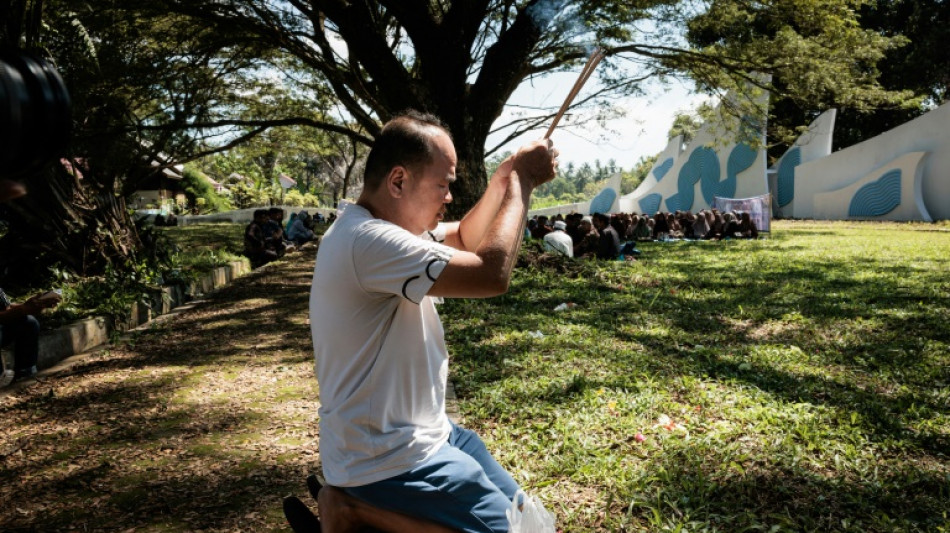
point(86, 334)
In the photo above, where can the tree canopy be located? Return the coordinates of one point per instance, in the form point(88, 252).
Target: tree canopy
point(463, 60)
point(886, 50)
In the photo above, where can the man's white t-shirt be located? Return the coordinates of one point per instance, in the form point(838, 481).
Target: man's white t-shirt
point(379, 349)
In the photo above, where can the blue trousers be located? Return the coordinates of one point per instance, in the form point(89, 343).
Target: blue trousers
point(24, 334)
point(461, 486)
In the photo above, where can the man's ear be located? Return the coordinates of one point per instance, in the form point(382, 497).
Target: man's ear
point(396, 181)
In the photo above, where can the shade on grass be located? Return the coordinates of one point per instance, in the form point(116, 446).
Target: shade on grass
point(797, 383)
point(793, 383)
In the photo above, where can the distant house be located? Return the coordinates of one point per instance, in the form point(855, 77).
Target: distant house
point(165, 185)
point(286, 181)
point(218, 187)
point(162, 187)
point(234, 177)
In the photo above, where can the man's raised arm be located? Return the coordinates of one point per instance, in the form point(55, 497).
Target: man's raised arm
point(482, 267)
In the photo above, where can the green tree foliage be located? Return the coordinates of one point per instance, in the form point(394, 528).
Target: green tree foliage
point(197, 186)
point(463, 60)
point(574, 184)
point(886, 50)
point(687, 123)
point(323, 165)
point(298, 199)
point(921, 66)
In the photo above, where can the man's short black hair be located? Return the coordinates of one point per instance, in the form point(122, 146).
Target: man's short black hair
point(602, 218)
point(404, 141)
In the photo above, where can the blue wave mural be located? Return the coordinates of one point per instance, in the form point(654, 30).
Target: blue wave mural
point(740, 159)
point(603, 201)
point(786, 176)
point(650, 204)
point(703, 164)
point(877, 198)
point(660, 170)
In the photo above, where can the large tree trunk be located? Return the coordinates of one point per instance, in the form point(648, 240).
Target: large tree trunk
point(68, 219)
point(472, 179)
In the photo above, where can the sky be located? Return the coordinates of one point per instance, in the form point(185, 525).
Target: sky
point(642, 133)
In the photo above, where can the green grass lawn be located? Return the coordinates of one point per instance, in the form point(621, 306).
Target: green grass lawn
point(205, 246)
point(795, 383)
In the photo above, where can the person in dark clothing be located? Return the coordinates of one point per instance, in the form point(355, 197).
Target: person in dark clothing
point(273, 229)
point(255, 243)
point(542, 229)
point(661, 227)
point(747, 228)
point(18, 323)
point(608, 246)
point(573, 222)
point(731, 227)
point(587, 246)
point(19, 327)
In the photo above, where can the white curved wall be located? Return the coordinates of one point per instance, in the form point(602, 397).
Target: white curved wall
point(629, 203)
point(814, 144)
point(929, 133)
point(891, 192)
point(712, 161)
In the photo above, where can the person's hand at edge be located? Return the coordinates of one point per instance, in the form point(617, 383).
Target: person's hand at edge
point(536, 163)
point(42, 301)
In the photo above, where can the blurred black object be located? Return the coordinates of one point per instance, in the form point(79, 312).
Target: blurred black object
point(35, 118)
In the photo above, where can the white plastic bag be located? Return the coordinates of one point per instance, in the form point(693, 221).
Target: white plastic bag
point(531, 518)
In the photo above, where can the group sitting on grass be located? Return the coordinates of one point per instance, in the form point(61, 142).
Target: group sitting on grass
point(615, 236)
point(265, 239)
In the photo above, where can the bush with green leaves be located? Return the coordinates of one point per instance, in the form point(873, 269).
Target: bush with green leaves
point(174, 255)
point(201, 194)
point(295, 198)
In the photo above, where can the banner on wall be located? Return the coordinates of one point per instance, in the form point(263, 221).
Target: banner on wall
point(758, 207)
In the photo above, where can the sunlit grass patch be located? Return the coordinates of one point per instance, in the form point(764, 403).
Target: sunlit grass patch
point(793, 383)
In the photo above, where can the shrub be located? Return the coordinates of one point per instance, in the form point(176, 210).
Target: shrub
point(200, 193)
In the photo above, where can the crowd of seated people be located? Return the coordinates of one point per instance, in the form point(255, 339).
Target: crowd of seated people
point(300, 229)
point(615, 236)
point(266, 239)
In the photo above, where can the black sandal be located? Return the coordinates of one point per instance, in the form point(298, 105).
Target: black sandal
point(300, 517)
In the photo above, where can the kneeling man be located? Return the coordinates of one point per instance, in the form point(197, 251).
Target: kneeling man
point(392, 458)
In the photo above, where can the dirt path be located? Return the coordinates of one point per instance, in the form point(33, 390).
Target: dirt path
point(204, 421)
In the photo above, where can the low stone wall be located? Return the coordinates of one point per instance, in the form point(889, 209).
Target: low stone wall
point(84, 335)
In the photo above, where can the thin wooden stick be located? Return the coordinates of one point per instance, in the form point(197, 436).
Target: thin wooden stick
point(589, 67)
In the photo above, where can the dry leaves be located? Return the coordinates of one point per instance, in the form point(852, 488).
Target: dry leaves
point(203, 423)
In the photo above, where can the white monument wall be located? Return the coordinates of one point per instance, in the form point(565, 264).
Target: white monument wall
point(814, 144)
point(713, 164)
point(929, 133)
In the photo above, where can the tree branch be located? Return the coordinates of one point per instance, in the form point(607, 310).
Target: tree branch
point(265, 125)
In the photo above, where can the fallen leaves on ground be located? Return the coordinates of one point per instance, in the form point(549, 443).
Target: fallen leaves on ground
point(204, 422)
